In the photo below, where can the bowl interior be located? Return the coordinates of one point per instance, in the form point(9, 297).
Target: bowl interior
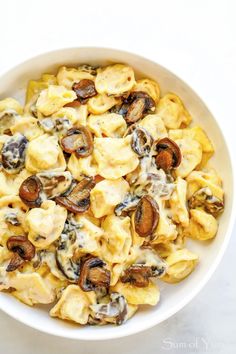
point(173, 297)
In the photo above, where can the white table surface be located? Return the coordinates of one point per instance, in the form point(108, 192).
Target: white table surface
point(195, 39)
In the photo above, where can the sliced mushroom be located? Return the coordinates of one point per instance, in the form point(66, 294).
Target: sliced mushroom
point(148, 265)
point(113, 312)
point(78, 140)
point(78, 201)
point(15, 262)
point(12, 219)
point(24, 249)
point(204, 198)
point(55, 183)
point(65, 250)
point(168, 154)
point(93, 274)
point(13, 153)
point(141, 103)
point(136, 110)
point(149, 102)
point(141, 141)
point(129, 204)
point(84, 89)
point(30, 191)
point(134, 106)
point(137, 275)
point(146, 216)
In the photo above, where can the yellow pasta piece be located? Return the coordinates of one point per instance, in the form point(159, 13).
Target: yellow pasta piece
point(116, 240)
point(30, 288)
point(166, 229)
point(80, 167)
point(114, 79)
point(10, 184)
point(106, 195)
point(68, 76)
point(88, 236)
point(53, 98)
point(44, 153)
point(198, 134)
point(45, 224)
point(74, 305)
point(149, 86)
point(101, 103)
point(149, 295)
point(12, 217)
point(28, 126)
point(114, 156)
point(178, 202)
point(109, 124)
point(11, 105)
point(200, 179)
point(180, 264)
point(191, 152)
point(154, 125)
point(36, 86)
point(171, 109)
point(202, 226)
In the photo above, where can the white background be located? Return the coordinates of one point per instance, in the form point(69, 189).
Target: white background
point(197, 40)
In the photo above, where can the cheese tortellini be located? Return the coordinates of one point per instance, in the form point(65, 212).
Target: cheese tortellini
point(110, 124)
point(116, 240)
point(178, 202)
point(53, 98)
point(44, 153)
point(202, 226)
point(74, 305)
point(180, 264)
point(171, 109)
point(114, 156)
point(106, 195)
point(45, 224)
point(103, 181)
point(115, 79)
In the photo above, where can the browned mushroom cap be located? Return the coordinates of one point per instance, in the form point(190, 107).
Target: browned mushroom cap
point(146, 216)
point(136, 110)
point(78, 201)
point(78, 140)
point(84, 89)
point(137, 275)
point(30, 191)
point(168, 154)
point(204, 198)
point(13, 153)
point(22, 246)
point(93, 274)
point(141, 141)
point(15, 262)
point(141, 102)
point(149, 102)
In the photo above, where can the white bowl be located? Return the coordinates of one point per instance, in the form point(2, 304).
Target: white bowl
point(173, 297)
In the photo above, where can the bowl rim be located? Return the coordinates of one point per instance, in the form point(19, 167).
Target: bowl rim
point(155, 321)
